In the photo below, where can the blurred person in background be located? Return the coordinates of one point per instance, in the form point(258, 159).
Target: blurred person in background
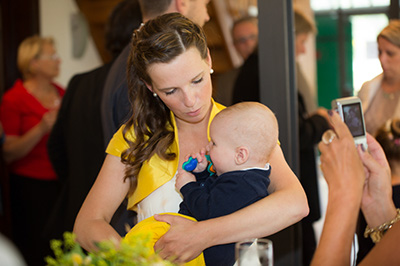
point(28, 112)
point(245, 35)
point(75, 145)
point(380, 96)
point(245, 39)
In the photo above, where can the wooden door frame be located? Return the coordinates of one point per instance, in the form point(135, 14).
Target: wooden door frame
point(19, 19)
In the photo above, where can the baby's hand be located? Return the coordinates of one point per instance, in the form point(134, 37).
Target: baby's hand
point(182, 178)
point(202, 162)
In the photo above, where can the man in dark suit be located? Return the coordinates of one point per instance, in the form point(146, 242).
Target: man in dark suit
point(76, 146)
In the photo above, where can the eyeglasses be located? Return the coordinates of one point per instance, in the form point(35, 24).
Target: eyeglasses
point(53, 57)
point(244, 39)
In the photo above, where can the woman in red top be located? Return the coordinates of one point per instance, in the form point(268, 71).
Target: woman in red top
point(28, 112)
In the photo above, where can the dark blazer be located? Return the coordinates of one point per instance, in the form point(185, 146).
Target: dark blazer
point(115, 105)
point(76, 146)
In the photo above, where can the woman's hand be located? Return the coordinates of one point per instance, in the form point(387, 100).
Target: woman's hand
point(48, 120)
point(340, 163)
point(177, 244)
point(376, 204)
point(323, 112)
point(344, 173)
point(16, 147)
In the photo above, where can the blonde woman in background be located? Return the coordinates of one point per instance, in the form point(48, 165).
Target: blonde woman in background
point(28, 112)
point(380, 96)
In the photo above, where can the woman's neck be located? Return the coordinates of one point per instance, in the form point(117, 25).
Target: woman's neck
point(44, 91)
point(38, 85)
point(390, 85)
point(192, 136)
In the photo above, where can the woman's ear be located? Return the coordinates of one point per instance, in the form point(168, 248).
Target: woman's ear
point(209, 60)
point(148, 86)
point(33, 65)
point(241, 155)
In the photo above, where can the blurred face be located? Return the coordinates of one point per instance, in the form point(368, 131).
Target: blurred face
point(389, 56)
point(184, 85)
point(245, 38)
point(197, 11)
point(222, 150)
point(48, 62)
point(300, 45)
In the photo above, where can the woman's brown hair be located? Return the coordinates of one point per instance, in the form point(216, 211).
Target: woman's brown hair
point(158, 41)
point(391, 32)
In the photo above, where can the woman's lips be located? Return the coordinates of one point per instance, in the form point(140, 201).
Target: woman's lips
point(194, 113)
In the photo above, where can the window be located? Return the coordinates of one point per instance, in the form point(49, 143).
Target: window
point(318, 5)
point(358, 61)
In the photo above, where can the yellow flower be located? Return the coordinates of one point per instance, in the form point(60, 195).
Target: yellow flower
point(76, 259)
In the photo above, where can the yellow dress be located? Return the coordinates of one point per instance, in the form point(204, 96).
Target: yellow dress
point(155, 172)
point(154, 176)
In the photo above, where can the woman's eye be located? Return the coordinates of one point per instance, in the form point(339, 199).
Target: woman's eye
point(170, 92)
point(198, 81)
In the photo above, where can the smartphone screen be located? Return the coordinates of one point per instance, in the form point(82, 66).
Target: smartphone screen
point(353, 118)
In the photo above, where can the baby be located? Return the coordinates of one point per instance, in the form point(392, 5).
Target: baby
point(243, 137)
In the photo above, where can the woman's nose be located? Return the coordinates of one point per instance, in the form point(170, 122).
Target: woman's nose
point(383, 58)
point(190, 98)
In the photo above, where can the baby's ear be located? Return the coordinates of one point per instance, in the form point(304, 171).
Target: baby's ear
point(241, 155)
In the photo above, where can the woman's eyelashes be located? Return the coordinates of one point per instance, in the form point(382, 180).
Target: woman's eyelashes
point(170, 92)
point(197, 81)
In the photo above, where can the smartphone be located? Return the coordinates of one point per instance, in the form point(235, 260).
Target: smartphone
point(350, 110)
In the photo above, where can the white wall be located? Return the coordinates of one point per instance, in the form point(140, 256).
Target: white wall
point(55, 21)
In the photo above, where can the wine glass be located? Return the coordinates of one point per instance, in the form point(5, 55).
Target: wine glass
point(254, 252)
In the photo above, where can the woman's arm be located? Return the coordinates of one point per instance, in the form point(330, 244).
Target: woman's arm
point(386, 252)
point(287, 204)
point(93, 221)
point(16, 147)
point(344, 173)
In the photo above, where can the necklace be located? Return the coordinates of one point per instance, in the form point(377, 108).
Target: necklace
point(388, 96)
